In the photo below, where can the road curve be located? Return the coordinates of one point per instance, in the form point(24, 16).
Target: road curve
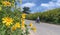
point(44, 28)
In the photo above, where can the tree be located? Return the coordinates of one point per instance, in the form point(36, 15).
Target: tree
point(26, 10)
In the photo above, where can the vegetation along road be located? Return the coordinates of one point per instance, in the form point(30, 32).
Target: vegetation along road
point(45, 28)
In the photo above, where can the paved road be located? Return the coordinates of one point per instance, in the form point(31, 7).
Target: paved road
point(45, 28)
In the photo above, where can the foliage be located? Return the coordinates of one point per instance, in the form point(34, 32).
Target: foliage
point(47, 16)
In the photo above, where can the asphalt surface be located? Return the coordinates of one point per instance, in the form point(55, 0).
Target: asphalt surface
point(44, 28)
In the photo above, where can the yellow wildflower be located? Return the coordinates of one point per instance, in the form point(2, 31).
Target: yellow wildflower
point(23, 15)
point(7, 20)
point(30, 24)
point(17, 25)
point(23, 25)
point(6, 3)
point(13, 28)
point(34, 29)
point(23, 22)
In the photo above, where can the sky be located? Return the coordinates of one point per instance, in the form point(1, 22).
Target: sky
point(40, 5)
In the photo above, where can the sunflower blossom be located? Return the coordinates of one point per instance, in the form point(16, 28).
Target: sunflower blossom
point(17, 25)
point(30, 24)
point(23, 15)
point(23, 21)
point(23, 25)
point(13, 28)
point(6, 3)
point(34, 29)
point(7, 20)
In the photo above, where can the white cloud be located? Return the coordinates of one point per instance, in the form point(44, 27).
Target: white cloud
point(43, 4)
point(51, 4)
point(48, 4)
point(28, 5)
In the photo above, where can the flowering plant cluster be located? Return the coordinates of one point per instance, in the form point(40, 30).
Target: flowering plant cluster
point(13, 22)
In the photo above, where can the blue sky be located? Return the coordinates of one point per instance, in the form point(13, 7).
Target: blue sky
point(40, 5)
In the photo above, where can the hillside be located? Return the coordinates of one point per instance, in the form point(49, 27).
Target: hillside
point(47, 16)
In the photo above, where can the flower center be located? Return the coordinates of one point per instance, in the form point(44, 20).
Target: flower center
point(8, 20)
